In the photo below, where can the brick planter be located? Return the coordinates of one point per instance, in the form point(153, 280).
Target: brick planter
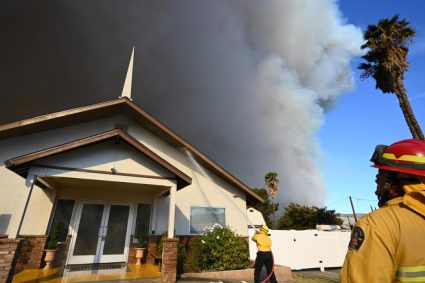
point(151, 249)
point(30, 252)
point(8, 256)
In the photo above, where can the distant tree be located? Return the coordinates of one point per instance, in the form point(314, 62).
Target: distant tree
point(301, 217)
point(272, 181)
point(297, 217)
point(387, 44)
point(266, 208)
point(329, 217)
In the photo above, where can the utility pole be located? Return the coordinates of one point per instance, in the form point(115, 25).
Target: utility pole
point(354, 212)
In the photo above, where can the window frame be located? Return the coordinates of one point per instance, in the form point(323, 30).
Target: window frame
point(136, 214)
point(207, 225)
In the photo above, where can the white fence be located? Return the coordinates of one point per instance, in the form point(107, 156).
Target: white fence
point(306, 249)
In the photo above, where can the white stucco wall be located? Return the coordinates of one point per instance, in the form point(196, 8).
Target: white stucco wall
point(206, 189)
point(14, 191)
point(38, 211)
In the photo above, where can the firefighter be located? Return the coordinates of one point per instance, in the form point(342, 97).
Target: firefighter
point(264, 255)
point(388, 244)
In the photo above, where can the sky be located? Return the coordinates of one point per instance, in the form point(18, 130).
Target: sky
point(366, 117)
point(257, 86)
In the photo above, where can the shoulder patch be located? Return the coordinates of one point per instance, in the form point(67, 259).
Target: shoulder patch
point(357, 239)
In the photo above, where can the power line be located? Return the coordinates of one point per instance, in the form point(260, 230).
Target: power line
point(327, 205)
point(372, 200)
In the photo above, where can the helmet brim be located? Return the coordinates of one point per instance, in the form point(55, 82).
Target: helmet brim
point(401, 170)
point(264, 230)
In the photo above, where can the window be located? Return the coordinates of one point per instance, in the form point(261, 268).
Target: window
point(62, 217)
point(202, 217)
point(142, 220)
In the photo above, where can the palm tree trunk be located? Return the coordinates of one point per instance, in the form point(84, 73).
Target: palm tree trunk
point(409, 116)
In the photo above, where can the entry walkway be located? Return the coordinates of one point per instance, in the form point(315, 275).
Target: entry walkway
point(145, 271)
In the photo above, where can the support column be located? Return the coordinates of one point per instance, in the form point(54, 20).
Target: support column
point(30, 181)
point(154, 215)
point(169, 260)
point(171, 213)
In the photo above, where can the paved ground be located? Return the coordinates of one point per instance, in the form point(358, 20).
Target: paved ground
point(158, 280)
point(332, 274)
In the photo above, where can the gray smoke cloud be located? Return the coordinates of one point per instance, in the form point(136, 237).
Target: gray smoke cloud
point(247, 82)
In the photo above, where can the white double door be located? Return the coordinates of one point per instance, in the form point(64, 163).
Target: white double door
point(101, 233)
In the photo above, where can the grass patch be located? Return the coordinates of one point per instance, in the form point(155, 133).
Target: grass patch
point(302, 278)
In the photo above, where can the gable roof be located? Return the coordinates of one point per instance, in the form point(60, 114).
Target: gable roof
point(22, 163)
point(126, 107)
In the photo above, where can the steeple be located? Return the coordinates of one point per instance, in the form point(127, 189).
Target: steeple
point(126, 90)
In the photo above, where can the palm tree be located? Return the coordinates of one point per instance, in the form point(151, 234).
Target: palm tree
point(387, 45)
point(271, 181)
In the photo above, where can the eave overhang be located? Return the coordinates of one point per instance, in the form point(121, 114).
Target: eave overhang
point(21, 164)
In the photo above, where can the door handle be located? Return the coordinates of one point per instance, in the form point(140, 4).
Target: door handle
point(102, 232)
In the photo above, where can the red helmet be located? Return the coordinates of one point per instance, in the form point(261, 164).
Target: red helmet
point(407, 156)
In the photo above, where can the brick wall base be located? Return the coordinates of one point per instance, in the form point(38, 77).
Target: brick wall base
point(8, 257)
point(30, 252)
point(169, 260)
point(152, 244)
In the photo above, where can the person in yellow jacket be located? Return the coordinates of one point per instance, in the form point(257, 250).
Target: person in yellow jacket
point(264, 254)
point(388, 244)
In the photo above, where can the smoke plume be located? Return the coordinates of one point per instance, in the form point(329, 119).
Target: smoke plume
point(248, 82)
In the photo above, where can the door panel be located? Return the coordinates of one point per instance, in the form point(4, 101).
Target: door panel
point(87, 237)
point(102, 234)
point(117, 230)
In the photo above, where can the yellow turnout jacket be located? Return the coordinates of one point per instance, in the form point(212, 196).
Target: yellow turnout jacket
point(388, 245)
point(263, 241)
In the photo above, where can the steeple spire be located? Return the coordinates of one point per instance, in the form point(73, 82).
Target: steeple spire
point(126, 90)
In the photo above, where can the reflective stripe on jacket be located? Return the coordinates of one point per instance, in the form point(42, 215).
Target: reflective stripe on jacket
point(411, 274)
point(387, 245)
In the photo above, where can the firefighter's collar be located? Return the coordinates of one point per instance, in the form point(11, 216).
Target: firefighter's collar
point(394, 201)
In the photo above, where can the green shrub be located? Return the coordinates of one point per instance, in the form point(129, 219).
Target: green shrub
point(54, 236)
point(222, 249)
point(181, 256)
point(142, 241)
point(160, 243)
point(193, 256)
